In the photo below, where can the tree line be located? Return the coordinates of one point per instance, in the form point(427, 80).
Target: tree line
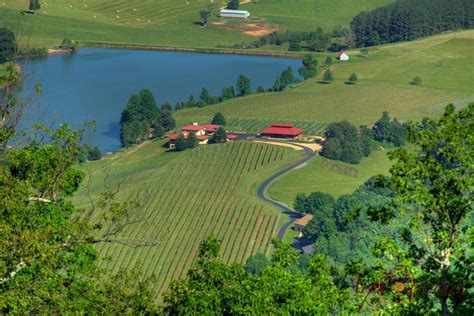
point(347, 143)
point(406, 20)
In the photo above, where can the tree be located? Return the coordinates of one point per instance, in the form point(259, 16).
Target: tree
point(68, 44)
point(328, 76)
point(220, 136)
point(294, 47)
point(94, 154)
point(205, 15)
point(227, 93)
point(300, 204)
point(157, 130)
point(433, 184)
point(345, 142)
point(352, 79)
point(416, 81)
point(181, 143)
point(166, 120)
point(166, 106)
point(192, 140)
point(233, 4)
point(328, 61)
point(218, 119)
point(257, 263)
point(35, 5)
point(309, 68)
point(204, 98)
point(387, 131)
point(321, 226)
point(244, 86)
point(7, 45)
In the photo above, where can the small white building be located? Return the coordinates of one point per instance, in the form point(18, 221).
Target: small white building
point(342, 56)
point(238, 14)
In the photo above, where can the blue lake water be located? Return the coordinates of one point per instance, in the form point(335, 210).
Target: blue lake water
point(95, 84)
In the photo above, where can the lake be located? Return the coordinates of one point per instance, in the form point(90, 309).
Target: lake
point(95, 84)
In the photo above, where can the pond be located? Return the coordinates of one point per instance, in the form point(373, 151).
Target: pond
point(95, 84)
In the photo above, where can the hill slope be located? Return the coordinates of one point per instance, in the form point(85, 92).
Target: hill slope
point(442, 61)
point(172, 22)
point(188, 196)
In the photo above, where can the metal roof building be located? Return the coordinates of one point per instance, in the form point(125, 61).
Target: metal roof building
point(238, 14)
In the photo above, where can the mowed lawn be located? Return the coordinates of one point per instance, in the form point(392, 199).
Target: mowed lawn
point(444, 63)
point(186, 197)
point(334, 177)
point(170, 22)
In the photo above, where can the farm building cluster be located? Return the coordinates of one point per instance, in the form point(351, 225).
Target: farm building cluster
point(203, 133)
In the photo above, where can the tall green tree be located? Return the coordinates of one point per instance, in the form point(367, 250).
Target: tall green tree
point(166, 120)
point(181, 143)
point(192, 140)
point(205, 15)
point(309, 68)
point(352, 79)
point(204, 98)
point(220, 136)
point(218, 119)
point(244, 87)
point(233, 4)
point(7, 45)
point(328, 76)
point(328, 61)
point(227, 93)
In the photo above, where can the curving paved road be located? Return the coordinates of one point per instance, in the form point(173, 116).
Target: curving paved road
point(283, 207)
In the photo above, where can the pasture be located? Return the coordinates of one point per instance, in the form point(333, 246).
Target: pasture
point(385, 74)
point(186, 197)
point(171, 22)
point(334, 177)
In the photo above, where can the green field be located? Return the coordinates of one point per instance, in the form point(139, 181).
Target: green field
point(168, 22)
point(330, 176)
point(444, 63)
point(188, 196)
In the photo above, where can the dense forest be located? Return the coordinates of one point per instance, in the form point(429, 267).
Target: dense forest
point(407, 20)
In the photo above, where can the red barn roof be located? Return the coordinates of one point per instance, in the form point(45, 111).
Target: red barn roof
point(232, 136)
point(341, 52)
point(282, 129)
point(196, 128)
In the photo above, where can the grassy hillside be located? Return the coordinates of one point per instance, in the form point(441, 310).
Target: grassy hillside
point(187, 196)
point(330, 176)
point(442, 61)
point(172, 22)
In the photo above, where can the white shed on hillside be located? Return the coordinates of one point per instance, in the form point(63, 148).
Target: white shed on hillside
point(342, 56)
point(238, 14)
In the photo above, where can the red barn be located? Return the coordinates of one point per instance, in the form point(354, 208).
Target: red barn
point(287, 131)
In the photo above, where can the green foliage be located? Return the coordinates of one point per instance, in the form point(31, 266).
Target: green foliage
point(192, 141)
point(416, 81)
point(433, 184)
point(328, 77)
point(166, 120)
point(47, 262)
point(256, 264)
point(400, 21)
point(286, 78)
point(328, 61)
point(34, 5)
point(211, 287)
point(218, 119)
point(294, 47)
point(94, 154)
point(137, 118)
point(314, 203)
point(352, 79)
point(68, 44)
point(321, 41)
point(233, 4)
point(309, 68)
point(345, 142)
point(204, 98)
point(220, 136)
point(166, 106)
point(7, 45)
point(244, 86)
point(388, 131)
point(228, 93)
point(181, 143)
point(205, 15)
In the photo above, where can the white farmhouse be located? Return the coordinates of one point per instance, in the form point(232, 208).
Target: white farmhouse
point(342, 56)
point(238, 14)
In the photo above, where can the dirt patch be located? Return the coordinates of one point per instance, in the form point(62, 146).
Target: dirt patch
point(251, 29)
point(313, 147)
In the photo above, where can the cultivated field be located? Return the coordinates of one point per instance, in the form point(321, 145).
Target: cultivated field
point(443, 63)
point(172, 22)
point(330, 176)
point(187, 196)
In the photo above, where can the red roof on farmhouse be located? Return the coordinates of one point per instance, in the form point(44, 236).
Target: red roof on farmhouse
point(196, 128)
point(341, 52)
point(232, 136)
point(199, 137)
point(282, 129)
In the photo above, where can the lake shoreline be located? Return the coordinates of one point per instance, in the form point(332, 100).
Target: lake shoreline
point(216, 51)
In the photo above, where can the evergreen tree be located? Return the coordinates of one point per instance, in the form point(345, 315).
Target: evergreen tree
point(192, 140)
point(7, 45)
point(181, 143)
point(328, 76)
point(166, 106)
point(227, 93)
point(218, 119)
point(244, 86)
point(205, 98)
point(205, 15)
point(220, 136)
point(157, 130)
point(416, 81)
point(352, 79)
point(328, 61)
point(233, 4)
point(309, 68)
point(166, 120)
